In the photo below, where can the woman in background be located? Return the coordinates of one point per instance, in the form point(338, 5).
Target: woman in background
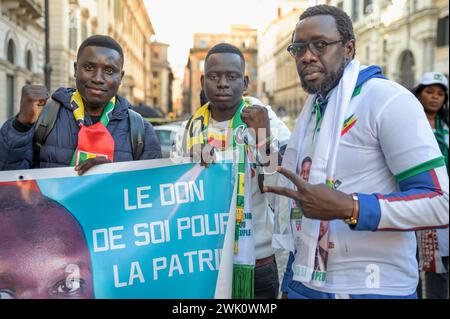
point(432, 92)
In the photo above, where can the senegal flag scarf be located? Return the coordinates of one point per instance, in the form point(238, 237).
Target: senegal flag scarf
point(244, 258)
point(94, 140)
point(440, 133)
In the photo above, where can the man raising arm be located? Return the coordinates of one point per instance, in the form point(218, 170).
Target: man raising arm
point(217, 126)
point(92, 125)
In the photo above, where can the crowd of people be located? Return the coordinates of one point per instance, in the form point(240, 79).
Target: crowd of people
point(362, 179)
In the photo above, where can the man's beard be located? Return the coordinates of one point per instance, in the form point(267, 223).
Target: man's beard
point(326, 85)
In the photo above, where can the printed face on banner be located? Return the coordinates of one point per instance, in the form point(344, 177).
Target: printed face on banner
point(43, 252)
point(305, 168)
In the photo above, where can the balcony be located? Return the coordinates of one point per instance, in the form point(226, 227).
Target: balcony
point(27, 10)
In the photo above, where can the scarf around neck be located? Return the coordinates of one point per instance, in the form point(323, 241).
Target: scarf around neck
point(94, 140)
point(308, 243)
point(197, 132)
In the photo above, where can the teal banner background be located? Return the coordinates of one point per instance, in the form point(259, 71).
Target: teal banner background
point(169, 250)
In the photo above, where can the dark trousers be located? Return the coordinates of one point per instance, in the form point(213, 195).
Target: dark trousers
point(267, 283)
point(436, 285)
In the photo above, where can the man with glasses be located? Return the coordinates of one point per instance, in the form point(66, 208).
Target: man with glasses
point(376, 173)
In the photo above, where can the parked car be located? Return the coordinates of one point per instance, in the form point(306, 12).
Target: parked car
point(148, 111)
point(166, 135)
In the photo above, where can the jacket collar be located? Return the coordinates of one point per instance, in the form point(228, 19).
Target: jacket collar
point(63, 96)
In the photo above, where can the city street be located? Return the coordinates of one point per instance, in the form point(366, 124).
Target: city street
point(97, 95)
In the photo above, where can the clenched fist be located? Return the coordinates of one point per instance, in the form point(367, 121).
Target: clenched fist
point(32, 101)
point(203, 154)
point(257, 119)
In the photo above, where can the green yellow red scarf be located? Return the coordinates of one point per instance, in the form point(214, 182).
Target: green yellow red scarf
point(198, 133)
point(94, 140)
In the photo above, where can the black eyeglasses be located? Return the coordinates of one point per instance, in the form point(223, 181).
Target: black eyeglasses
point(317, 47)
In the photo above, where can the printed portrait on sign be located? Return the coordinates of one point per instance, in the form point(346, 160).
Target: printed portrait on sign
point(43, 251)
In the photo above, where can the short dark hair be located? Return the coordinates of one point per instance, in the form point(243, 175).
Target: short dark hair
point(225, 48)
point(306, 160)
point(343, 22)
point(103, 41)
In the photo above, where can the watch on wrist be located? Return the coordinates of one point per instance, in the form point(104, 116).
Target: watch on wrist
point(353, 220)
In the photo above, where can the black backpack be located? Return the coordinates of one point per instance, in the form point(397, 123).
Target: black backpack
point(47, 119)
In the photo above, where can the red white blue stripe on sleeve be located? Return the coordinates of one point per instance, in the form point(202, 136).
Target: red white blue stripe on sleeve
point(421, 204)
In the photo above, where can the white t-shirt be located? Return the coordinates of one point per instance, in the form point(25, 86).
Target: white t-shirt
point(262, 204)
point(387, 138)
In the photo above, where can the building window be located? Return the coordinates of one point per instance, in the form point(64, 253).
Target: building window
point(202, 44)
point(155, 74)
point(155, 55)
point(442, 32)
point(11, 51)
point(385, 51)
point(29, 61)
point(73, 38)
point(73, 29)
point(407, 70)
point(368, 6)
point(355, 10)
point(202, 65)
point(84, 30)
point(94, 27)
point(155, 101)
point(10, 89)
point(117, 9)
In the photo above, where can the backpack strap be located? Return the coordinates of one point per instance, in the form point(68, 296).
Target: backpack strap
point(186, 132)
point(47, 119)
point(44, 126)
point(137, 133)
